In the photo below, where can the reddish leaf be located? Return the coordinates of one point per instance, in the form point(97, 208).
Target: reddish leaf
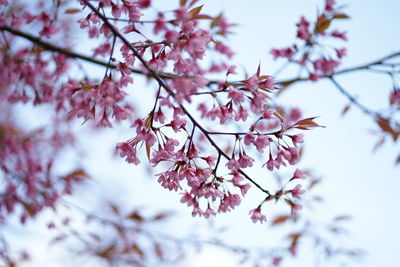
point(294, 242)
point(306, 124)
point(162, 216)
point(346, 109)
point(196, 10)
point(148, 152)
point(288, 201)
point(341, 16)
point(286, 84)
point(134, 248)
point(136, 216)
point(384, 124)
point(322, 24)
point(72, 11)
point(215, 21)
point(202, 17)
point(106, 253)
point(313, 183)
point(79, 172)
point(280, 220)
point(264, 77)
point(114, 208)
point(77, 175)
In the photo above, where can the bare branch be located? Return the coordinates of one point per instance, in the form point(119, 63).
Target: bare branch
point(352, 99)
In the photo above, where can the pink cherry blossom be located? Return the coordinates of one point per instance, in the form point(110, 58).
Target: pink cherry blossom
point(276, 261)
point(233, 164)
point(188, 199)
point(197, 211)
point(245, 161)
point(285, 53)
point(256, 215)
point(298, 174)
point(236, 95)
point(297, 191)
point(261, 142)
point(209, 212)
point(303, 31)
point(294, 207)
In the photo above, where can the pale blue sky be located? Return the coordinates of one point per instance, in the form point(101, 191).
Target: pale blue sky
point(356, 182)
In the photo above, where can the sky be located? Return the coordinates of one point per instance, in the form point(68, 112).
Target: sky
point(355, 180)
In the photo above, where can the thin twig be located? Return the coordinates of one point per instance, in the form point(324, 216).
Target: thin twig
point(164, 85)
point(69, 53)
point(164, 75)
point(352, 99)
point(158, 76)
point(365, 66)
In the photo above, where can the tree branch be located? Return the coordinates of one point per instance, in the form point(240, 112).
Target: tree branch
point(164, 85)
point(164, 75)
point(159, 76)
point(70, 53)
point(365, 66)
point(352, 99)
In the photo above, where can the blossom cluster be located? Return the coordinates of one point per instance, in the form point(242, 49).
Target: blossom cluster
point(309, 53)
point(174, 134)
point(27, 169)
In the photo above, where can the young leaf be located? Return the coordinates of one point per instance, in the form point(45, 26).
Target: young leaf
point(215, 21)
point(134, 215)
point(72, 10)
point(306, 124)
point(341, 16)
point(280, 220)
point(148, 120)
point(182, 2)
point(196, 10)
point(106, 253)
point(345, 109)
point(322, 24)
point(384, 124)
point(148, 152)
point(137, 250)
point(202, 17)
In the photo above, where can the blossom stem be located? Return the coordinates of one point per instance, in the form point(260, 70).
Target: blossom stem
point(352, 99)
point(164, 75)
point(111, 55)
point(164, 85)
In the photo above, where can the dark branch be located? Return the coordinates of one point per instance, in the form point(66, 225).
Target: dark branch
point(352, 99)
point(164, 85)
point(72, 54)
point(51, 47)
point(366, 66)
